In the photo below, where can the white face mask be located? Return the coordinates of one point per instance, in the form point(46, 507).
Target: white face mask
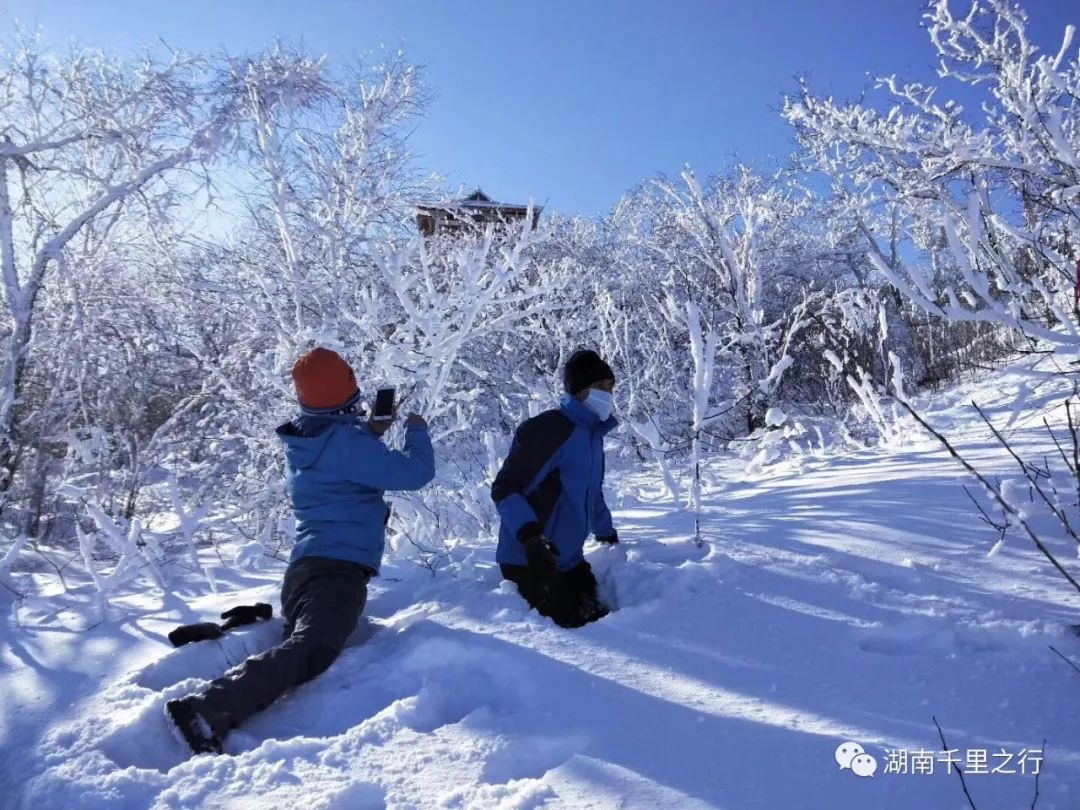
point(600, 402)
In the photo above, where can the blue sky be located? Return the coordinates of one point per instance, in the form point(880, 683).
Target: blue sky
point(569, 102)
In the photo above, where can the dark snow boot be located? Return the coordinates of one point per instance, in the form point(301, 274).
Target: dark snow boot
point(581, 603)
point(592, 609)
point(191, 729)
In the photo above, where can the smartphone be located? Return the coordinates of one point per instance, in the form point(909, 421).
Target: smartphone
point(384, 405)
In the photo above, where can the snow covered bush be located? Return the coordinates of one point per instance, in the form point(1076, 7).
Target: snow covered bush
point(752, 255)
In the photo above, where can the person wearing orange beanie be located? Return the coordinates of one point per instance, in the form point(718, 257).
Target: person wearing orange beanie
point(338, 470)
point(324, 382)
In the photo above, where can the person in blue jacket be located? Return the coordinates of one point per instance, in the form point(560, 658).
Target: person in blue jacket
point(549, 495)
point(338, 469)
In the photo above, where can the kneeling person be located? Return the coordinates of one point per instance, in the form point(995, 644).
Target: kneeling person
point(549, 495)
point(338, 469)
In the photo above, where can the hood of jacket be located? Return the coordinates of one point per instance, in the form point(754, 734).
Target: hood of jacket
point(305, 438)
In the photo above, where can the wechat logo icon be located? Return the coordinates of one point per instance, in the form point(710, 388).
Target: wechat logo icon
point(853, 756)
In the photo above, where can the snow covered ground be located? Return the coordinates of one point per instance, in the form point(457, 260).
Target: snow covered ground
point(843, 597)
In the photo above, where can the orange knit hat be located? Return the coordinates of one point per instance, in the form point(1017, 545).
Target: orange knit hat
point(324, 381)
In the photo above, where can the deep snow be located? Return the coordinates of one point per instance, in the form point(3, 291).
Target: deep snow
point(843, 596)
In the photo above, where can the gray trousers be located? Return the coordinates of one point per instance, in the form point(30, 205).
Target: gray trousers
point(322, 600)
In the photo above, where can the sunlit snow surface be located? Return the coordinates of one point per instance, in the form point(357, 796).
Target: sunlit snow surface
point(844, 595)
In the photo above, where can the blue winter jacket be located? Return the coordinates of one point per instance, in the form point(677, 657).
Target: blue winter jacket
point(338, 470)
point(554, 476)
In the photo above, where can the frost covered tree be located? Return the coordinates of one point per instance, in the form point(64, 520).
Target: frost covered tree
point(326, 252)
point(738, 249)
point(990, 197)
point(96, 155)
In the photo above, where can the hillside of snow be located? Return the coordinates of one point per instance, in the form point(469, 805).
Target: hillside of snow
point(842, 596)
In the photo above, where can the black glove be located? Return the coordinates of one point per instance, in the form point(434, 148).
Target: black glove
point(246, 614)
point(540, 553)
point(194, 632)
point(608, 539)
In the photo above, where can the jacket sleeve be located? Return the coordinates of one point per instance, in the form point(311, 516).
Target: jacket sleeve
point(371, 463)
point(602, 525)
point(532, 454)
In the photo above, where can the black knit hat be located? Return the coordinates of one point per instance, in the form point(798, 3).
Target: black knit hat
point(583, 369)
